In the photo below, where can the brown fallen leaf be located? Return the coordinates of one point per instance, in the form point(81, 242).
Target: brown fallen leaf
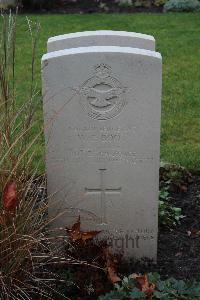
point(193, 232)
point(144, 285)
point(112, 275)
point(111, 266)
point(76, 234)
point(183, 188)
point(88, 235)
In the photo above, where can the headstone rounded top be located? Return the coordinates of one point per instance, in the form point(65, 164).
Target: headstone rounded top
point(101, 32)
point(101, 49)
point(101, 38)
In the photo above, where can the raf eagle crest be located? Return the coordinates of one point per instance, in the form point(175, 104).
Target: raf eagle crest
point(102, 96)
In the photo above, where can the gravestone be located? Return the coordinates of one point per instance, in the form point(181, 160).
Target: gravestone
point(101, 38)
point(102, 131)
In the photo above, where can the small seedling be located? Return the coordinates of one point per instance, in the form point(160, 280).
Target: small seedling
point(169, 215)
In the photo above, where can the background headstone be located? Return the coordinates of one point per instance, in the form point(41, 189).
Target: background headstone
point(102, 129)
point(101, 38)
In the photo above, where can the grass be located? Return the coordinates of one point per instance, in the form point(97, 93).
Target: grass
point(25, 246)
point(178, 39)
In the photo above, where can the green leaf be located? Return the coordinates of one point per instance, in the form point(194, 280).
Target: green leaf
point(153, 277)
point(160, 285)
point(177, 209)
point(137, 294)
point(160, 295)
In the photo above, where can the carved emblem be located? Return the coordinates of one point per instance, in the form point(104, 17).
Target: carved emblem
point(102, 96)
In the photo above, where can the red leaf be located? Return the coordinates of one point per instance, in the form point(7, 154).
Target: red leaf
point(144, 285)
point(112, 275)
point(10, 196)
point(111, 266)
point(76, 234)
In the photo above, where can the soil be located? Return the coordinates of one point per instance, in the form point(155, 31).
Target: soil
point(178, 251)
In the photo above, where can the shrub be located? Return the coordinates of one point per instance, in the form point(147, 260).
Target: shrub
point(169, 289)
point(159, 2)
point(103, 6)
point(143, 3)
point(140, 3)
point(124, 3)
point(7, 4)
point(37, 4)
point(182, 5)
point(24, 241)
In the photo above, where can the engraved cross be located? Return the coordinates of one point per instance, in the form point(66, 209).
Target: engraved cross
point(103, 191)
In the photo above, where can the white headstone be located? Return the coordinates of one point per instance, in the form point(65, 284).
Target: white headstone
point(101, 38)
point(102, 129)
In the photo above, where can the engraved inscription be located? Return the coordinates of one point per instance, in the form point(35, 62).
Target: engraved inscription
point(103, 134)
point(76, 155)
point(144, 234)
point(102, 96)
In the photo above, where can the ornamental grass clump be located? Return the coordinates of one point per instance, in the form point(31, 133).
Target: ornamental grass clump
point(25, 248)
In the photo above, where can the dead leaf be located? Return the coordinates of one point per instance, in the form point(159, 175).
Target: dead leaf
point(183, 188)
point(10, 196)
point(178, 254)
point(76, 234)
point(193, 232)
point(144, 285)
point(2, 220)
point(134, 275)
point(112, 275)
point(88, 235)
point(111, 266)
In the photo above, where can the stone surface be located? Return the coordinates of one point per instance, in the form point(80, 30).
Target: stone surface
point(101, 38)
point(102, 129)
